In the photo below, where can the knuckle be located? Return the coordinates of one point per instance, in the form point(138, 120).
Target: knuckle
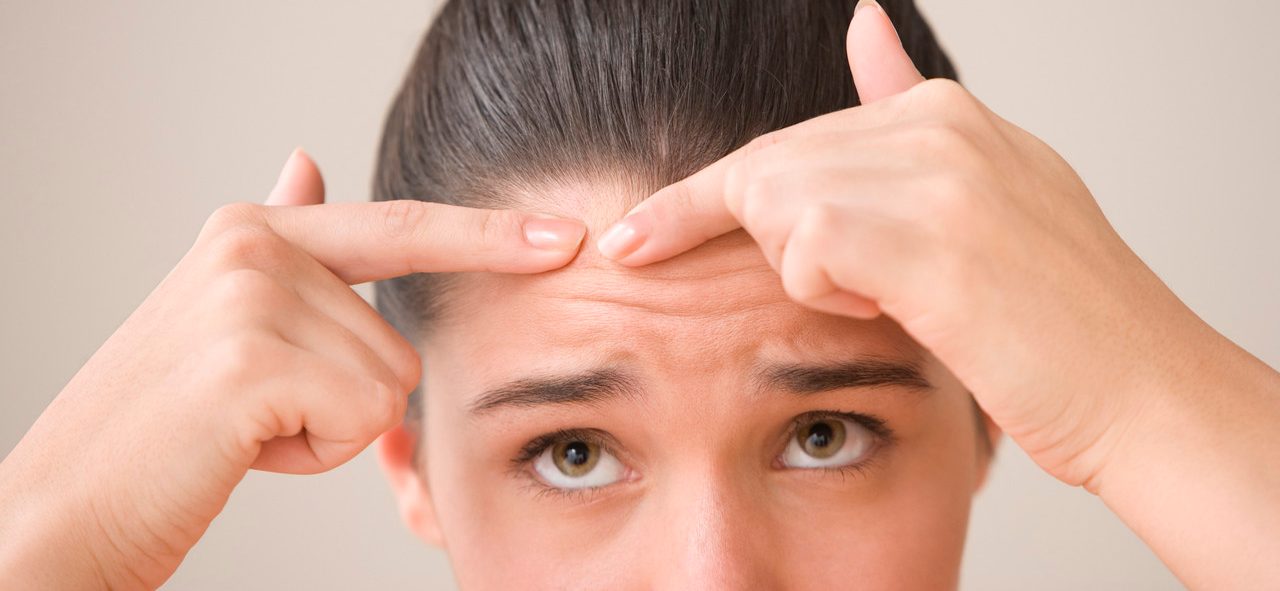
point(943, 91)
point(756, 199)
point(949, 144)
point(946, 96)
point(673, 203)
point(939, 139)
point(248, 246)
point(805, 277)
point(230, 216)
point(403, 218)
point(952, 201)
point(760, 143)
point(396, 406)
point(387, 404)
point(739, 178)
point(407, 362)
point(820, 220)
point(497, 226)
point(244, 289)
point(239, 358)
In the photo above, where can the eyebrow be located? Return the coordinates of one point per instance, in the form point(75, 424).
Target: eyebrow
point(592, 387)
point(860, 373)
point(607, 384)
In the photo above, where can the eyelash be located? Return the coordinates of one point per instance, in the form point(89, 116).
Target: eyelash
point(521, 464)
point(884, 438)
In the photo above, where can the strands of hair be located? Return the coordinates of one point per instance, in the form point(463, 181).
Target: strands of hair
point(505, 95)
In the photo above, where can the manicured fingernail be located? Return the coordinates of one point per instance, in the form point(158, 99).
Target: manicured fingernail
point(864, 3)
point(621, 239)
point(554, 233)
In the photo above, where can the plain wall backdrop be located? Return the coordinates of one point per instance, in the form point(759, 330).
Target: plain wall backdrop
point(123, 125)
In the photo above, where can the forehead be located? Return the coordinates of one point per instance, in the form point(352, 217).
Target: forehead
point(718, 306)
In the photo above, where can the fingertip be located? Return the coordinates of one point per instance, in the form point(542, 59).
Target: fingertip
point(299, 183)
point(877, 59)
point(554, 235)
point(842, 303)
point(620, 240)
point(550, 243)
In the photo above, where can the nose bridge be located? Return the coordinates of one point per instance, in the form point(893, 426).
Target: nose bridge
point(715, 532)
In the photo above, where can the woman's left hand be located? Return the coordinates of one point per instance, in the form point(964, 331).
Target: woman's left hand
point(975, 236)
point(988, 249)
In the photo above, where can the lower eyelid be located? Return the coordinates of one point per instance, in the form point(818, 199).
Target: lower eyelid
point(522, 464)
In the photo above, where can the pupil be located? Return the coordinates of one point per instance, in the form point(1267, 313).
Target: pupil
point(577, 453)
point(820, 435)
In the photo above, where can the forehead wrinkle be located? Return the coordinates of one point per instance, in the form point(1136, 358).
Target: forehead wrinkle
point(727, 275)
point(668, 296)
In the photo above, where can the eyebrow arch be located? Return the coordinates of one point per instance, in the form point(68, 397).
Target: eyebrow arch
point(603, 385)
point(859, 373)
point(591, 387)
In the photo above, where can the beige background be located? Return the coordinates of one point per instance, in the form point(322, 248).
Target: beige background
point(124, 124)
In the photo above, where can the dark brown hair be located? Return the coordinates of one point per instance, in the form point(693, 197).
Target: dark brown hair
point(505, 94)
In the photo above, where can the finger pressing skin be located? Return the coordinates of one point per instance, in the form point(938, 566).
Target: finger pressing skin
point(675, 219)
point(362, 242)
point(691, 211)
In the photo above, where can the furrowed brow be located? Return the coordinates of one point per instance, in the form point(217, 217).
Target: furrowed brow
point(801, 378)
point(587, 388)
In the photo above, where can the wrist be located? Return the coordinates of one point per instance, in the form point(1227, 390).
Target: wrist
point(46, 541)
point(1198, 460)
point(54, 530)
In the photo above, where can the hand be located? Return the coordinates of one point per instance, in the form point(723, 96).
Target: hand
point(253, 352)
point(975, 236)
point(990, 251)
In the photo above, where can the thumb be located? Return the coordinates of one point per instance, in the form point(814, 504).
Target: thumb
point(299, 183)
point(880, 66)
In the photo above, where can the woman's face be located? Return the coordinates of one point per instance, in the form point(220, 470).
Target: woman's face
point(684, 425)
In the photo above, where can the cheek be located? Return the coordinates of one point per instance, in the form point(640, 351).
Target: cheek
point(496, 533)
point(906, 530)
point(878, 532)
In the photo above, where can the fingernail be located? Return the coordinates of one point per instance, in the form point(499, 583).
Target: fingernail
point(554, 233)
point(621, 239)
point(864, 3)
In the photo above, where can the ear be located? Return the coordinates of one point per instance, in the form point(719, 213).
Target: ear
point(396, 456)
point(993, 435)
point(880, 66)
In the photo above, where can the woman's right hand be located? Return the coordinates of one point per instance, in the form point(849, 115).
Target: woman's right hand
point(254, 352)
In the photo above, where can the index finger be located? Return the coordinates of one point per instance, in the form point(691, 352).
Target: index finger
point(696, 209)
point(362, 242)
point(677, 218)
point(701, 206)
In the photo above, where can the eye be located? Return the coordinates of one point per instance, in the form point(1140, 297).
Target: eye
point(827, 442)
point(577, 463)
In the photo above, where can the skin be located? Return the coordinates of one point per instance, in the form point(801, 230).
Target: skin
point(990, 252)
point(252, 353)
point(972, 238)
point(704, 504)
